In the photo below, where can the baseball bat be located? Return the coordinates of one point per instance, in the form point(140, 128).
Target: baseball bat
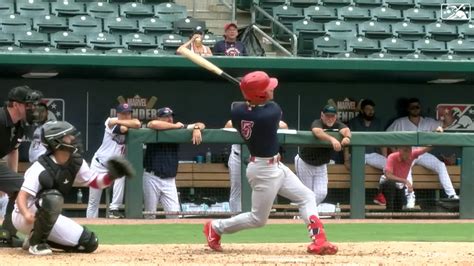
point(121, 99)
point(201, 61)
point(151, 102)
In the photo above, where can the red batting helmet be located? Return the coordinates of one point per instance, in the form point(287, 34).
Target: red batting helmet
point(254, 86)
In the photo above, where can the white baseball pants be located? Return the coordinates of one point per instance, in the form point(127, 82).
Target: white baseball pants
point(161, 190)
point(95, 194)
point(235, 201)
point(313, 177)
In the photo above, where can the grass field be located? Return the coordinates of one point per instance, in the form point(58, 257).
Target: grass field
point(285, 233)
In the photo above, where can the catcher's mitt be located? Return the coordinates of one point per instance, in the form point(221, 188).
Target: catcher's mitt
point(119, 167)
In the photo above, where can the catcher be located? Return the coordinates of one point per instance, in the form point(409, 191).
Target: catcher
point(39, 203)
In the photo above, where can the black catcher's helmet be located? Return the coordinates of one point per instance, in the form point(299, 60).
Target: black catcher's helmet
point(53, 133)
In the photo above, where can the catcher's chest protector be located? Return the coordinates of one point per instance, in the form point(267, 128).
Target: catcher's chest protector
point(61, 177)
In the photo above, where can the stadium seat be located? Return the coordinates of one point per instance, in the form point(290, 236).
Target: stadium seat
point(211, 39)
point(452, 57)
point(340, 29)
point(267, 5)
point(154, 26)
point(102, 41)
point(348, 55)
point(136, 10)
point(307, 30)
point(65, 8)
point(336, 3)
point(441, 31)
point(303, 3)
point(170, 42)
point(397, 46)
point(466, 30)
point(320, 13)
point(7, 8)
point(13, 50)
point(471, 2)
point(354, 13)
point(47, 50)
point(31, 39)
point(119, 52)
point(461, 46)
point(400, 4)
point(286, 15)
point(32, 8)
point(375, 30)
point(154, 52)
point(383, 56)
point(15, 23)
point(420, 15)
point(120, 25)
point(170, 12)
point(325, 46)
point(139, 41)
point(102, 10)
point(50, 24)
point(386, 14)
point(430, 4)
point(362, 45)
point(6, 39)
point(187, 26)
point(368, 3)
point(408, 31)
point(418, 56)
point(431, 47)
point(85, 24)
point(67, 40)
point(84, 51)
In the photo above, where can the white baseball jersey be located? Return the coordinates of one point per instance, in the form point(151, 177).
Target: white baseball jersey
point(404, 124)
point(36, 148)
point(112, 145)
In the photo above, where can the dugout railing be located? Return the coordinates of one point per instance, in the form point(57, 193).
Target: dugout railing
point(137, 137)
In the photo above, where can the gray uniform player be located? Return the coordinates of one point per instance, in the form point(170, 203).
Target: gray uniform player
point(257, 122)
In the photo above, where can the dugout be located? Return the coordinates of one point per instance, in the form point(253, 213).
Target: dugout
point(86, 88)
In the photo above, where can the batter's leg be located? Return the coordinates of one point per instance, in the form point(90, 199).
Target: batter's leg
point(235, 200)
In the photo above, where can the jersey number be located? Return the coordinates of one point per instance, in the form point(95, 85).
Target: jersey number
point(246, 129)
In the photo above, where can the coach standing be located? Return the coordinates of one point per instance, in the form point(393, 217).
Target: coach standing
point(20, 108)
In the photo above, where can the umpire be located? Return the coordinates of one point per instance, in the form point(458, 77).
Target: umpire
point(20, 109)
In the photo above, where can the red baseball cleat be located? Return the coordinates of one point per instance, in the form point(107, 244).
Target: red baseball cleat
point(212, 237)
point(325, 248)
point(380, 199)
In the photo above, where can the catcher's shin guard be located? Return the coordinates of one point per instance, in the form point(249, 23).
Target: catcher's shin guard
point(50, 204)
point(320, 244)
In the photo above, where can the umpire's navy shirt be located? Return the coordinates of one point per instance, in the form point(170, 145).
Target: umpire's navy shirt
point(10, 134)
point(161, 159)
point(258, 126)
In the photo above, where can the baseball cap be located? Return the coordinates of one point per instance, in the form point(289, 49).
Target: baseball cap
point(124, 108)
point(24, 94)
point(366, 102)
point(258, 80)
point(329, 109)
point(228, 25)
point(164, 112)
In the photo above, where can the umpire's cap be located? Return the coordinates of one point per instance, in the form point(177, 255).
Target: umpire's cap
point(24, 94)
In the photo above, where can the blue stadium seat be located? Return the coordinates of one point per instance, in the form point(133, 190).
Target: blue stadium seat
point(397, 46)
point(84, 24)
point(120, 25)
point(6, 39)
point(340, 29)
point(7, 7)
point(170, 11)
point(154, 26)
point(386, 14)
point(461, 46)
point(186, 26)
point(420, 15)
point(65, 8)
point(408, 30)
point(431, 47)
point(320, 13)
point(362, 45)
point(102, 41)
point(336, 3)
point(170, 42)
point(375, 30)
point(67, 40)
point(50, 24)
point(325, 46)
point(47, 50)
point(368, 3)
point(267, 5)
point(15, 23)
point(383, 56)
point(286, 15)
point(120, 52)
point(31, 39)
point(211, 39)
point(139, 41)
point(466, 30)
point(430, 4)
point(32, 8)
point(102, 10)
point(441, 31)
point(400, 4)
point(84, 51)
point(304, 3)
point(13, 50)
point(136, 10)
point(307, 30)
point(354, 13)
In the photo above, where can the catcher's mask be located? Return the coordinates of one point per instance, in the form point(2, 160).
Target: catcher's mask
point(53, 134)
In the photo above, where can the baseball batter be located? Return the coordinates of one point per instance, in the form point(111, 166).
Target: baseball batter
point(38, 208)
point(235, 201)
point(257, 122)
point(113, 144)
point(416, 122)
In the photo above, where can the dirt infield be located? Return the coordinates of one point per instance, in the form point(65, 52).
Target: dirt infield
point(374, 253)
